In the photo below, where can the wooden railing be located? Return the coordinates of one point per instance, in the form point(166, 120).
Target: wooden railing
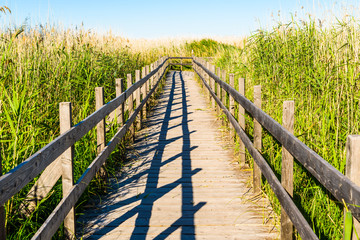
point(61, 148)
point(340, 186)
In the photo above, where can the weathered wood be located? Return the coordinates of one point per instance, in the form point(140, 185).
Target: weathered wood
point(224, 94)
point(287, 169)
point(231, 108)
point(353, 168)
point(146, 90)
point(333, 180)
point(285, 200)
point(100, 130)
point(67, 169)
point(130, 105)
point(119, 89)
point(14, 180)
point(180, 64)
point(52, 223)
point(218, 90)
point(241, 120)
point(257, 141)
point(138, 100)
point(208, 80)
point(212, 81)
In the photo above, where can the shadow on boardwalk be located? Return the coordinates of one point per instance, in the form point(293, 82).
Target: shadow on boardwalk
point(152, 191)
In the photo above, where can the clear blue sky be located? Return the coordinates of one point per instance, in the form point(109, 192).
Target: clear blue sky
point(158, 18)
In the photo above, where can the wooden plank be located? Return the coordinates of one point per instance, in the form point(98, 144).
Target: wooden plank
point(100, 130)
point(285, 200)
point(287, 166)
point(353, 169)
point(333, 180)
point(14, 180)
point(241, 119)
point(257, 141)
point(67, 169)
point(231, 108)
point(52, 223)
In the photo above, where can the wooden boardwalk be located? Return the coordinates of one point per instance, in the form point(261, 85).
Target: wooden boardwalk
point(180, 182)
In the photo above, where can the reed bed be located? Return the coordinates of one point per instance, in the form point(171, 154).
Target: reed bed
point(318, 68)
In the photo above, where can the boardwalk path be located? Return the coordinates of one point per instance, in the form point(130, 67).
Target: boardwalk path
point(180, 183)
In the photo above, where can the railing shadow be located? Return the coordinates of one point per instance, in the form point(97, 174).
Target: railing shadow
point(152, 191)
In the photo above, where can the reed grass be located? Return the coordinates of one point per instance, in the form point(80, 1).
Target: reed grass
point(318, 68)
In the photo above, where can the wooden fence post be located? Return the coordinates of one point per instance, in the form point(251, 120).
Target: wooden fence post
point(231, 108)
point(147, 67)
point(241, 116)
point(138, 100)
point(208, 79)
point(2, 211)
point(224, 94)
point(100, 130)
point(287, 169)
point(218, 91)
point(353, 168)
point(144, 92)
point(151, 79)
point(257, 141)
point(119, 88)
point(67, 168)
point(130, 105)
point(212, 85)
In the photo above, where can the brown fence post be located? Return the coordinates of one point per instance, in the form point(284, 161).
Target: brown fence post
point(67, 169)
point(224, 94)
point(241, 116)
point(212, 85)
point(257, 141)
point(231, 107)
point(353, 168)
point(130, 105)
point(218, 91)
point(208, 80)
point(147, 67)
point(287, 169)
point(144, 92)
point(138, 100)
point(100, 130)
point(119, 88)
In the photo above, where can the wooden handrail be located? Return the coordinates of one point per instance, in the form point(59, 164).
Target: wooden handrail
point(14, 180)
point(285, 200)
point(340, 186)
point(52, 223)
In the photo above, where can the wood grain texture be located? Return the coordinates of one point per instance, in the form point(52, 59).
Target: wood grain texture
point(241, 120)
point(173, 186)
point(138, 100)
point(287, 166)
point(257, 141)
point(67, 169)
point(100, 130)
point(231, 108)
point(353, 168)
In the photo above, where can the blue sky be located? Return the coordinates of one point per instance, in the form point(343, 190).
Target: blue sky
point(158, 18)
